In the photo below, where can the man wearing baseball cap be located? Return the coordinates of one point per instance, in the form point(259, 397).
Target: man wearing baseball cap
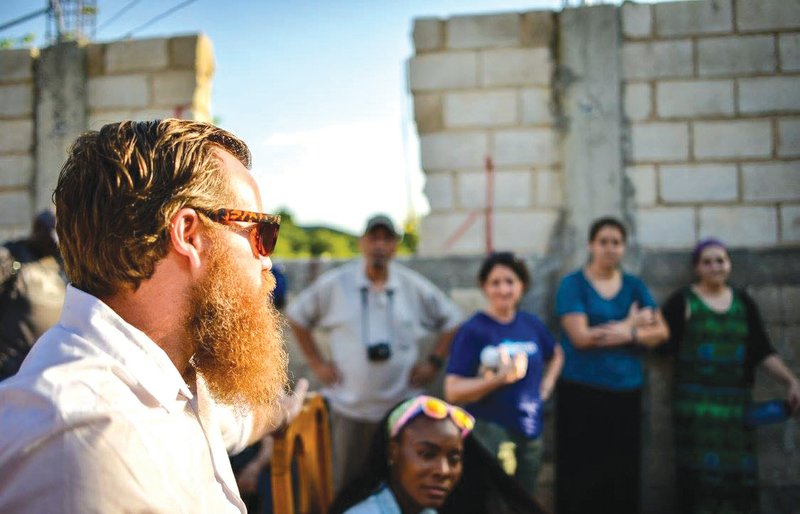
point(376, 313)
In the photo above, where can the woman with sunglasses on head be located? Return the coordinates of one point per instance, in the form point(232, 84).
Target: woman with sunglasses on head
point(503, 365)
point(423, 461)
point(719, 339)
point(608, 319)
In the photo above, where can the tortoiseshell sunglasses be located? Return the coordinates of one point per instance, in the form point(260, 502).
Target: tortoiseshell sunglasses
point(263, 234)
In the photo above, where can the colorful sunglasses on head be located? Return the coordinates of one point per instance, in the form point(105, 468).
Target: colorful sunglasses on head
point(431, 407)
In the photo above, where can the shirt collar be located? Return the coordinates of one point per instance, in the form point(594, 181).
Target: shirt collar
point(139, 357)
point(363, 281)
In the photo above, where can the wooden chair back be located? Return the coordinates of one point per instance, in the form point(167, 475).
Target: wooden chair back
point(306, 443)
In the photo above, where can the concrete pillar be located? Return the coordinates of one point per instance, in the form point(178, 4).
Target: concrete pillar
point(590, 96)
point(60, 113)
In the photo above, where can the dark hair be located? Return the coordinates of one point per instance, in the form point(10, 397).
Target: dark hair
point(484, 488)
point(509, 260)
point(607, 221)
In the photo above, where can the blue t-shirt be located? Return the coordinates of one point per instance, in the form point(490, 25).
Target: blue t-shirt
point(514, 406)
point(620, 368)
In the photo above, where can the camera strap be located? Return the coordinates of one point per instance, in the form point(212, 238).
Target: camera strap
point(365, 338)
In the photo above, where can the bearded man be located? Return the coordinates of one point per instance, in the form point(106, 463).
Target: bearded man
point(168, 351)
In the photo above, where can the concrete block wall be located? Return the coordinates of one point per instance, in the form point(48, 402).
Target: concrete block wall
point(16, 141)
point(712, 98)
point(482, 88)
point(46, 100)
point(150, 79)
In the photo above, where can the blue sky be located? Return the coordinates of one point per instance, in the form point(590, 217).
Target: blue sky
point(317, 88)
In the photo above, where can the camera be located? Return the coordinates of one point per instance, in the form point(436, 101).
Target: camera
point(379, 351)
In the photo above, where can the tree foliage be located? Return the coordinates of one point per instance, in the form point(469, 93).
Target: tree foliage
point(298, 242)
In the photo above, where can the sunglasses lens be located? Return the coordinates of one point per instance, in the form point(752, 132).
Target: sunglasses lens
point(463, 420)
point(267, 237)
point(435, 408)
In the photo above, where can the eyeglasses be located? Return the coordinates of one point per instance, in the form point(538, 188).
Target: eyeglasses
point(263, 234)
point(432, 407)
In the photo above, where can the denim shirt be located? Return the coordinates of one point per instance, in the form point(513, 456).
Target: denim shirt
point(382, 502)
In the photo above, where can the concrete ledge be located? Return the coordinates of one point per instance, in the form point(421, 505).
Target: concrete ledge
point(482, 31)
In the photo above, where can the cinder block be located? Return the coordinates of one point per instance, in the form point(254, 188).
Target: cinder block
point(735, 55)
point(449, 151)
point(740, 138)
point(16, 136)
point(764, 15)
point(649, 60)
point(771, 181)
point(694, 98)
point(195, 52)
point(643, 180)
point(17, 65)
point(528, 147)
point(526, 232)
point(16, 100)
point(443, 71)
point(16, 170)
point(16, 208)
point(692, 18)
point(789, 137)
point(96, 119)
point(136, 55)
point(768, 299)
point(468, 299)
point(481, 109)
point(638, 99)
point(95, 59)
point(117, 91)
point(174, 88)
point(666, 227)
point(790, 299)
point(659, 142)
point(536, 106)
point(698, 183)
point(790, 224)
point(637, 20)
point(428, 34)
point(482, 31)
point(740, 226)
point(516, 67)
point(439, 191)
point(158, 114)
point(428, 113)
point(769, 94)
point(512, 189)
point(549, 189)
point(452, 234)
point(789, 45)
point(537, 28)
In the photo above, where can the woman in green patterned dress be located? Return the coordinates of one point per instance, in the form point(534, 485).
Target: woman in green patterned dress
point(718, 338)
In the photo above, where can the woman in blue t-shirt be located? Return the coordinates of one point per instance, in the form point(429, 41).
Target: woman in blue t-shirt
point(608, 319)
point(503, 365)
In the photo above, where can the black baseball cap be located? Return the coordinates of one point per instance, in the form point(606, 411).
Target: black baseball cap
point(381, 220)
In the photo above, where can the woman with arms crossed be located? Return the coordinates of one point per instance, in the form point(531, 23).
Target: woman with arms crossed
point(718, 337)
point(608, 319)
point(503, 365)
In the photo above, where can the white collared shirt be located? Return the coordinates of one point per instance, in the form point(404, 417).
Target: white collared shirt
point(413, 310)
point(98, 419)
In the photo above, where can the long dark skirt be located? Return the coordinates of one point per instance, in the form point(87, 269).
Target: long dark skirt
point(598, 450)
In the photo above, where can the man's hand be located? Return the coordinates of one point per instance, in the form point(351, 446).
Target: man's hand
point(327, 373)
point(293, 403)
point(422, 374)
point(793, 397)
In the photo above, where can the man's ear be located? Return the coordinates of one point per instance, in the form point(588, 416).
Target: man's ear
point(185, 236)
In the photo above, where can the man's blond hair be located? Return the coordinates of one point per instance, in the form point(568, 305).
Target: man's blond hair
point(121, 186)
